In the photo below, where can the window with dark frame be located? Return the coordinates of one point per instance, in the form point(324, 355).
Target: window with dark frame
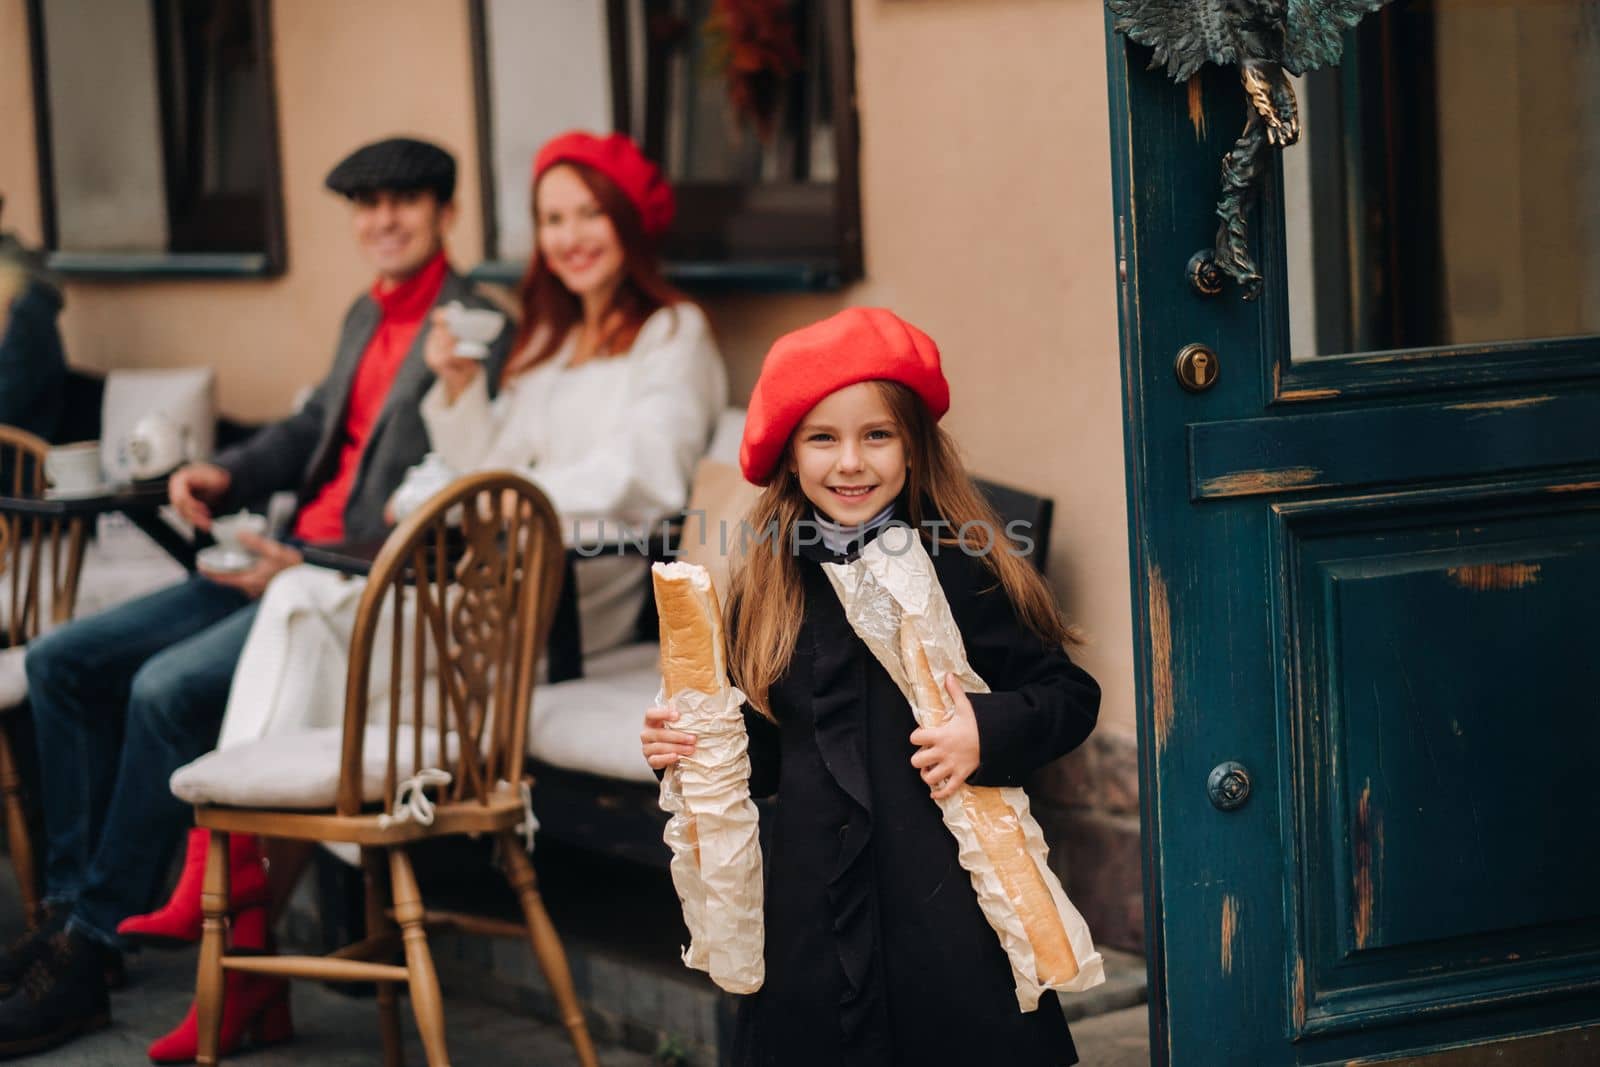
point(181, 175)
point(748, 104)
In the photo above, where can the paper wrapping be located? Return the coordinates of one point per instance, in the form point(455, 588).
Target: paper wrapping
point(890, 590)
point(713, 832)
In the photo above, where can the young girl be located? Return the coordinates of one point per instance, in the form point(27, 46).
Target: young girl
point(876, 951)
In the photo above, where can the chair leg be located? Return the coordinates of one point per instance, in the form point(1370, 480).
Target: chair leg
point(547, 946)
point(17, 829)
point(213, 928)
point(378, 921)
point(426, 1002)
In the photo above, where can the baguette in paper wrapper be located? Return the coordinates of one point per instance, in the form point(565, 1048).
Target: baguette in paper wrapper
point(894, 602)
point(716, 849)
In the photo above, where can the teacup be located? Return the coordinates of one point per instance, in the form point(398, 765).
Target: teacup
point(227, 529)
point(74, 468)
point(474, 328)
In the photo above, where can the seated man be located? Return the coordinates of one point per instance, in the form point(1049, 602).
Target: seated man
point(123, 699)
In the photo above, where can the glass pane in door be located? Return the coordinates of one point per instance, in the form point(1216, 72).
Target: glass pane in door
point(1446, 190)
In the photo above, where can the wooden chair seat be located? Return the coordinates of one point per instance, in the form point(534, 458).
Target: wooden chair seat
point(502, 813)
point(462, 597)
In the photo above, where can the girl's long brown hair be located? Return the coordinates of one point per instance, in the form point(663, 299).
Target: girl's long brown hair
point(550, 310)
point(766, 599)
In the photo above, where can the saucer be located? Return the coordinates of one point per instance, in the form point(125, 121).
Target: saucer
point(220, 560)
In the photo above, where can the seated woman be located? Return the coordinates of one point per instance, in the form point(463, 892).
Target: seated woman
point(607, 402)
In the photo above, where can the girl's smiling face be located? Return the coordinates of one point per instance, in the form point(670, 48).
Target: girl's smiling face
point(849, 454)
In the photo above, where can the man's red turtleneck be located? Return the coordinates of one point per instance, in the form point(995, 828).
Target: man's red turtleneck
point(403, 307)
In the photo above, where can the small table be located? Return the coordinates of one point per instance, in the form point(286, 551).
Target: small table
point(140, 502)
point(346, 557)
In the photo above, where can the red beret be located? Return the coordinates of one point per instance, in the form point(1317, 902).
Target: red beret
point(618, 158)
point(803, 367)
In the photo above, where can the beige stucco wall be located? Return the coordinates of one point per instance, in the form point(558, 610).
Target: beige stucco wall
point(987, 204)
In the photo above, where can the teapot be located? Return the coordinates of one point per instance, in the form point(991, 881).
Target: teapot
point(154, 447)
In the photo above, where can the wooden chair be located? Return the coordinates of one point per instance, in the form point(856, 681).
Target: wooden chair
point(477, 613)
point(40, 560)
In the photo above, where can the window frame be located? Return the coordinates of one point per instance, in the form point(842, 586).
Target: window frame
point(808, 273)
point(271, 261)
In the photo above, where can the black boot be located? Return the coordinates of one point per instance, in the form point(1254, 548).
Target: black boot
point(61, 995)
point(20, 954)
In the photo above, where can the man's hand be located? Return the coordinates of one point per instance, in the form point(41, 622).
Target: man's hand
point(947, 755)
point(271, 558)
point(195, 488)
point(439, 352)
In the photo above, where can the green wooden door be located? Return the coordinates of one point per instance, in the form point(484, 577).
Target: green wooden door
point(1367, 559)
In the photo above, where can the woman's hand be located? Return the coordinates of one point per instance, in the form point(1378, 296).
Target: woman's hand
point(947, 755)
point(663, 746)
point(440, 354)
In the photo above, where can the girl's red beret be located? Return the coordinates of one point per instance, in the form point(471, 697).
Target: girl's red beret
point(803, 367)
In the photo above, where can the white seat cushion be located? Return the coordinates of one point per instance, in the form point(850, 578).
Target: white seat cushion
point(297, 771)
point(13, 681)
point(592, 723)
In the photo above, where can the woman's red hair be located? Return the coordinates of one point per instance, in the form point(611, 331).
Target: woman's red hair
point(550, 310)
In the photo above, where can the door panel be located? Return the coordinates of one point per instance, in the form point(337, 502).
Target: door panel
point(1432, 744)
point(1370, 581)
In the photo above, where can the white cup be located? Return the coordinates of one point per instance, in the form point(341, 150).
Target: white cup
point(474, 328)
point(228, 528)
point(74, 468)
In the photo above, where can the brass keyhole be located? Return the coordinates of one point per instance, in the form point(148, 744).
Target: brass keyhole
point(1197, 368)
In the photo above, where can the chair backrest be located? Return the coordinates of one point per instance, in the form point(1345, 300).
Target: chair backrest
point(39, 556)
point(456, 611)
point(1025, 514)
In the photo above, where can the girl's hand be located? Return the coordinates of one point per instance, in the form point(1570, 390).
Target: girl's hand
point(947, 755)
point(439, 352)
point(663, 746)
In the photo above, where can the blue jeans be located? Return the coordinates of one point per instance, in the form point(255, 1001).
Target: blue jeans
point(120, 700)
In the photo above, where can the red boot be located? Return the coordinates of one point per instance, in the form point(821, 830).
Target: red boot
point(178, 921)
point(252, 1005)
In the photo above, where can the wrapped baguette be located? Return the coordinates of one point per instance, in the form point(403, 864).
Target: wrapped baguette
point(713, 832)
point(893, 600)
point(1000, 835)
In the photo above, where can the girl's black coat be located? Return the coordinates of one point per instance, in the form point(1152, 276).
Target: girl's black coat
point(876, 951)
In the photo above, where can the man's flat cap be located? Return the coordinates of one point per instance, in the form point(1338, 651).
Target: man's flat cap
point(399, 163)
